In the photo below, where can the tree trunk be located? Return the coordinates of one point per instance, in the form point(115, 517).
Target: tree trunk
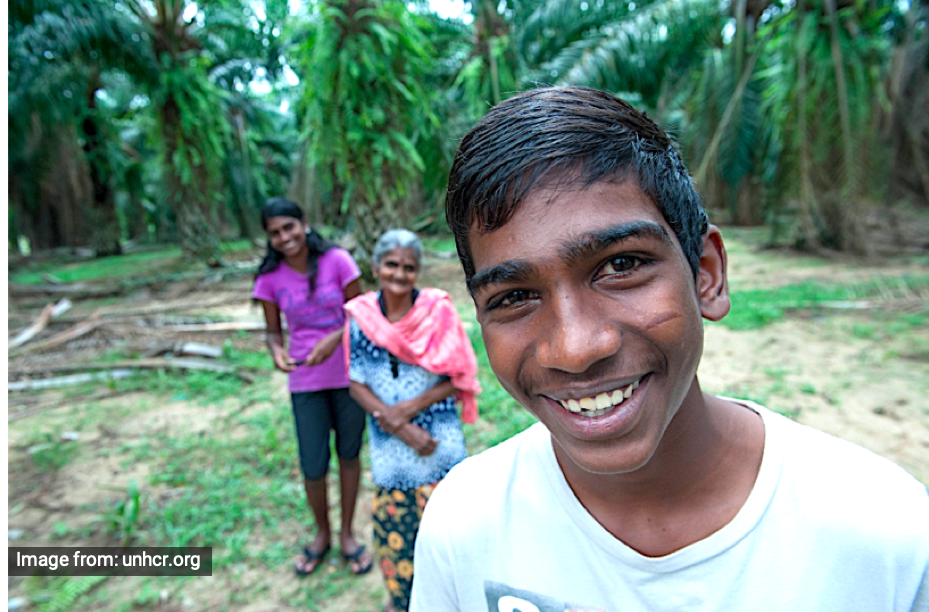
point(244, 210)
point(851, 232)
point(806, 220)
point(195, 219)
point(102, 218)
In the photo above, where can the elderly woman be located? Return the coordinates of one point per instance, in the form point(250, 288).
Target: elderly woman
point(409, 359)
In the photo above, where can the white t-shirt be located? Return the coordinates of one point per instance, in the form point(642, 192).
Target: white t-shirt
point(828, 526)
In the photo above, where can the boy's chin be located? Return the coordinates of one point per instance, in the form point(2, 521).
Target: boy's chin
point(605, 458)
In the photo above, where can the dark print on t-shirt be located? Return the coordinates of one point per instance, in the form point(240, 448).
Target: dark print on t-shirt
point(503, 598)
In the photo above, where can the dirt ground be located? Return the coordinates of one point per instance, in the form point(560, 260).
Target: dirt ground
point(868, 387)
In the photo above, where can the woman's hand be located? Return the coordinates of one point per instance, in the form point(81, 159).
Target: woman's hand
point(396, 416)
point(418, 439)
point(324, 348)
point(283, 361)
point(275, 338)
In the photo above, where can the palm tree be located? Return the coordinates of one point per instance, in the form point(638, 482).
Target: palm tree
point(364, 109)
point(60, 54)
point(823, 69)
point(777, 103)
point(64, 58)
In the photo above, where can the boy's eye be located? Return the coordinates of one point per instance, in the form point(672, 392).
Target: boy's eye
point(511, 299)
point(619, 265)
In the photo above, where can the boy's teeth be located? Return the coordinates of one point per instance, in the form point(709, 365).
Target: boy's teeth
point(630, 389)
point(595, 406)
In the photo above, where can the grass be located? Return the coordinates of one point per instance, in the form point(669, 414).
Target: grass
point(50, 454)
point(115, 267)
point(755, 308)
point(203, 387)
point(226, 490)
point(161, 258)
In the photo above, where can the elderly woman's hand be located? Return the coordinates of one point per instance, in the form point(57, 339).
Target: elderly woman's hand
point(390, 420)
point(418, 439)
point(398, 415)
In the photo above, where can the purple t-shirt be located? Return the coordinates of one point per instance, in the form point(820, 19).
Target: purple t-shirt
point(310, 320)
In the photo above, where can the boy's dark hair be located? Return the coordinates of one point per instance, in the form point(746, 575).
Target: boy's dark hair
point(316, 245)
point(566, 135)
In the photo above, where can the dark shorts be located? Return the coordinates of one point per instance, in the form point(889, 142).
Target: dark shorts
point(316, 413)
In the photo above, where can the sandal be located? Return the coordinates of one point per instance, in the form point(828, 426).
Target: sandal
point(357, 557)
point(312, 557)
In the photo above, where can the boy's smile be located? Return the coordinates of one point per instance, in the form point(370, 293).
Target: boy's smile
point(592, 319)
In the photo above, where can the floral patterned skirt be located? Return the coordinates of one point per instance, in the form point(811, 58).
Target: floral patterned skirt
point(397, 513)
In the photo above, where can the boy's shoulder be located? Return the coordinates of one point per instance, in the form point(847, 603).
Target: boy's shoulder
point(826, 474)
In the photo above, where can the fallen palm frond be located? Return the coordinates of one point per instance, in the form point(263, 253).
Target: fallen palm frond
point(85, 327)
point(48, 313)
point(118, 369)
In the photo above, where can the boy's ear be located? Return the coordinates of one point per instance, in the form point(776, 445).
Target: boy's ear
point(712, 283)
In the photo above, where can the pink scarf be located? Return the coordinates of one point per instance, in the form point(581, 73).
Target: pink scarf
point(430, 336)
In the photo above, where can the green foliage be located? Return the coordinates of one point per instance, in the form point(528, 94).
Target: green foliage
point(252, 360)
point(617, 47)
point(365, 108)
point(122, 518)
point(61, 594)
point(132, 80)
point(824, 94)
point(439, 244)
point(49, 453)
point(490, 72)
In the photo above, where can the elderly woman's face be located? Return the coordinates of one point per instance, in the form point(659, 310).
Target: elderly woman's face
point(397, 271)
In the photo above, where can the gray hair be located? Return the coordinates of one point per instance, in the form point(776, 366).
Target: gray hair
point(397, 239)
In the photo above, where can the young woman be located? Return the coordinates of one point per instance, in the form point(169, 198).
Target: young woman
point(309, 280)
point(410, 358)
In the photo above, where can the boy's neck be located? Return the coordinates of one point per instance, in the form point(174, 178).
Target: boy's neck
point(695, 483)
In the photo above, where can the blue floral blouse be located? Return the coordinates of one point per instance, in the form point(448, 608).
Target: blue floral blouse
point(394, 465)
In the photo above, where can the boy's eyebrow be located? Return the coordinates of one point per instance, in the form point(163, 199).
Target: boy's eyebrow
point(594, 242)
point(519, 270)
point(513, 271)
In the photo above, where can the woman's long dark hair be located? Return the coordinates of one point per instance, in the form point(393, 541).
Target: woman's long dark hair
point(316, 245)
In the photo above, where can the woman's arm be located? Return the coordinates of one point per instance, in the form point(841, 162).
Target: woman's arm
point(323, 349)
point(413, 436)
point(403, 412)
point(275, 338)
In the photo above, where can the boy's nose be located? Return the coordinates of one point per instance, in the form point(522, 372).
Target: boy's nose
point(575, 337)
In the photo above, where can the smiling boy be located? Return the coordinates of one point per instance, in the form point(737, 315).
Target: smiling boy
point(591, 264)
